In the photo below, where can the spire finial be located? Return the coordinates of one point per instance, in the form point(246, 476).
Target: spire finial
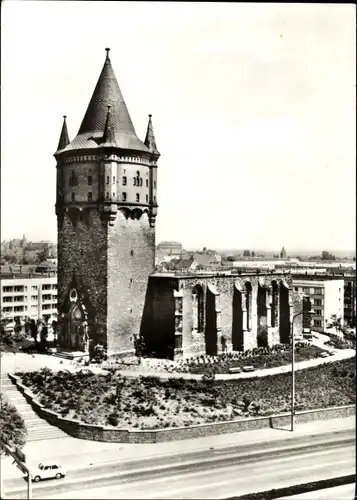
point(150, 116)
point(107, 58)
point(64, 116)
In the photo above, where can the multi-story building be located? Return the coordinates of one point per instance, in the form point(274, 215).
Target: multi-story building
point(326, 295)
point(350, 299)
point(24, 295)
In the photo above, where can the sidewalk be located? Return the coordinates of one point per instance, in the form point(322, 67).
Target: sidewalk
point(336, 356)
point(76, 453)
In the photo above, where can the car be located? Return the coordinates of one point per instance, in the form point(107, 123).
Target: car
point(47, 471)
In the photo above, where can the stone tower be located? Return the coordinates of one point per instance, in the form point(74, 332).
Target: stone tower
point(106, 208)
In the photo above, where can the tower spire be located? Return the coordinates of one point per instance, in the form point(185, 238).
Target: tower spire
point(109, 133)
point(150, 141)
point(64, 138)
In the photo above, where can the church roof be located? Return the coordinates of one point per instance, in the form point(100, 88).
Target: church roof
point(107, 93)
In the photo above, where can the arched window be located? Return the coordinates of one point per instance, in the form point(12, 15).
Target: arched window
point(248, 305)
point(107, 179)
point(124, 180)
point(134, 181)
point(198, 308)
point(147, 198)
point(90, 178)
point(124, 196)
point(113, 179)
point(154, 184)
point(147, 183)
point(137, 197)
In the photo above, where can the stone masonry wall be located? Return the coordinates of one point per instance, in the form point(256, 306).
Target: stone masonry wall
point(83, 250)
point(131, 247)
point(194, 343)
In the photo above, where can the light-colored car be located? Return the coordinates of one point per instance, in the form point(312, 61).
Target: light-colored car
point(47, 471)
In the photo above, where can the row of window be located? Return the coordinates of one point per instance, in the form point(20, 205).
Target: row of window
point(123, 197)
point(34, 288)
point(137, 181)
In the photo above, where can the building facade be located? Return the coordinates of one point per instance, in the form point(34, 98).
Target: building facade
point(32, 297)
point(326, 295)
point(106, 208)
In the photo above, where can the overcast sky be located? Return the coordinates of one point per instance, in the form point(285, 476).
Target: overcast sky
point(253, 108)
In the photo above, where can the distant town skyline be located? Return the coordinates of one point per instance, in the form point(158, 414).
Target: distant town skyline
point(253, 107)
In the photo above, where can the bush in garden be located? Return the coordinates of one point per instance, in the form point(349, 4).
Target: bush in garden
point(12, 425)
point(113, 419)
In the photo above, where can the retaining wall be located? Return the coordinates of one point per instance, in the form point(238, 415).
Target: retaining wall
point(114, 435)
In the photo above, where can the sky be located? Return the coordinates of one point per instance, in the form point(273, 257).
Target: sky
point(254, 112)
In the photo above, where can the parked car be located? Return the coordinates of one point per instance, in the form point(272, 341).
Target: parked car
point(47, 471)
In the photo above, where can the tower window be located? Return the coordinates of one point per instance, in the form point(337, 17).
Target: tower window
point(134, 181)
point(124, 196)
point(141, 181)
point(113, 179)
point(147, 183)
point(107, 196)
point(107, 179)
point(132, 253)
point(137, 197)
point(73, 181)
point(124, 180)
point(154, 184)
point(90, 180)
point(73, 197)
point(154, 199)
point(147, 198)
point(138, 173)
point(89, 195)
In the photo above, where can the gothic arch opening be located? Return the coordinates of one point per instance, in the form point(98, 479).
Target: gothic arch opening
point(248, 305)
point(274, 303)
point(284, 315)
point(211, 324)
point(262, 323)
point(198, 309)
point(237, 321)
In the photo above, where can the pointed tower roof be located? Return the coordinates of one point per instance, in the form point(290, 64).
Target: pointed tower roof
point(64, 138)
point(107, 93)
point(150, 141)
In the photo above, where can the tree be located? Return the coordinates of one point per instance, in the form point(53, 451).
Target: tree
point(327, 256)
point(54, 330)
point(246, 253)
point(42, 255)
point(12, 425)
point(253, 253)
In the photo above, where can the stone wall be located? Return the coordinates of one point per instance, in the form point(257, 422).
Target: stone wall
point(131, 247)
point(82, 251)
point(112, 434)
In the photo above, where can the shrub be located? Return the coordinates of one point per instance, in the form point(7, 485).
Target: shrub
point(12, 425)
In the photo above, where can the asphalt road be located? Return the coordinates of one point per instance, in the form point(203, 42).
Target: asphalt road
point(204, 474)
point(346, 492)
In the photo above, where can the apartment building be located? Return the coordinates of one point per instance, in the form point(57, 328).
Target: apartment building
point(326, 294)
point(25, 295)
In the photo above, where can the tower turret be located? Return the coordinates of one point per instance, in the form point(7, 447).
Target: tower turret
point(64, 137)
point(106, 208)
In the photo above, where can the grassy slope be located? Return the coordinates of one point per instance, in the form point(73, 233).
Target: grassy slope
point(152, 403)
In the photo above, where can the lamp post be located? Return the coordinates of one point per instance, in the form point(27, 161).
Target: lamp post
point(293, 366)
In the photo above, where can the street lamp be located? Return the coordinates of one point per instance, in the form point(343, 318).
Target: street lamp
point(293, 366)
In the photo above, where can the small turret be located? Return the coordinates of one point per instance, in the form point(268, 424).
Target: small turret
point(150, 141)
point(64, 138)
point(109, 132)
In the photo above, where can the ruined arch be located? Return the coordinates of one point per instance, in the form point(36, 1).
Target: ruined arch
point(284, 313)
point(237, 318)
point(198, 308)
point(248, 305)
point(211, 335)
point(274, 303)
point(262, 316)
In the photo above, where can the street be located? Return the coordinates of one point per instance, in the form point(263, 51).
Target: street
point(215, 473)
